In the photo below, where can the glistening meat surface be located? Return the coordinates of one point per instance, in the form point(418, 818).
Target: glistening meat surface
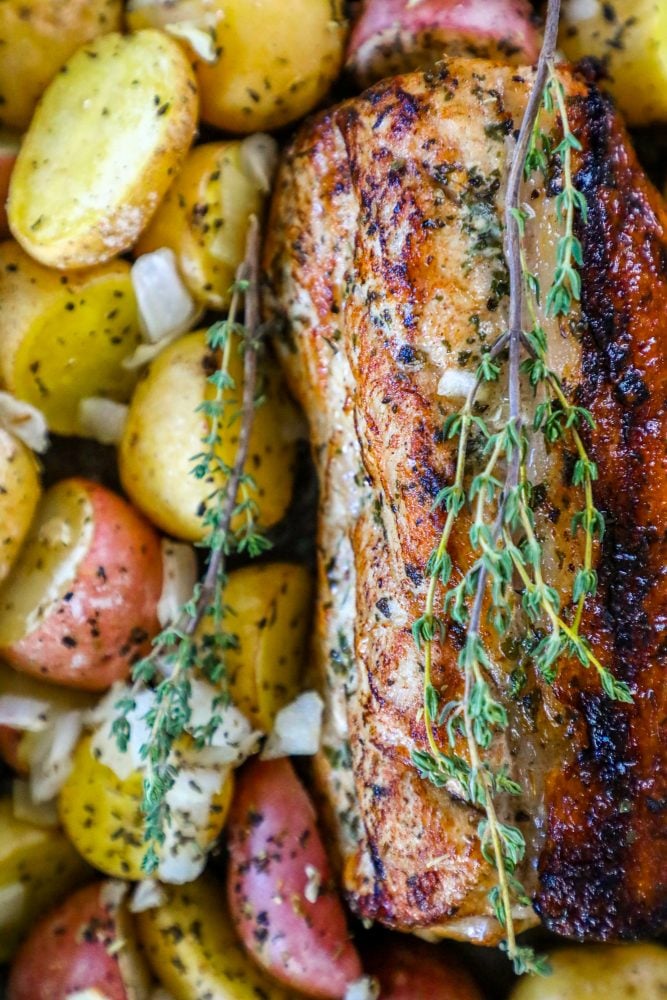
point(384, 267)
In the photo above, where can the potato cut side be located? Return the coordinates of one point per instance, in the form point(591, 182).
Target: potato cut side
point(64, 337)
point(616, 972)
point(20, 491)
point(103, 146)
point(56, 545)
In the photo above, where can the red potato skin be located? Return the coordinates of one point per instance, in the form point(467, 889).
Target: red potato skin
point(412, 970)
point(106, 620)
point(273, 835)
point(10, 749)
point(389, 35)
point(8, 153)
point(68, 951)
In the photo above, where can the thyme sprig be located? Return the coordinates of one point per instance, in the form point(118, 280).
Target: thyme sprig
point(502, 531)
point(178, 654)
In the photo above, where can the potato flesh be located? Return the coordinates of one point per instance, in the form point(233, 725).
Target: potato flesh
point(163, 422)
point(204, 220)
point(58, 541)
point(208, 961)
point(63, 337)
point(20, 490)
point(102, 148)
point(615, 972)
point(40, 862)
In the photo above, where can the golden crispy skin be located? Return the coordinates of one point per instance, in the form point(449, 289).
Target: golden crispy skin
point(384, 265)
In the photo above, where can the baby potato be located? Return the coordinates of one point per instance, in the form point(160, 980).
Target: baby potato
point(102, 814)
point(630, 38)
point(164, 430)
point(80, 605)
point(20, 490)
point(204, 220)
point(271, 62)
point(9, 148)
point(192, 947)
point(63, 337)
point(36, 38)
point(408, 969)
point(37, 867)
point(600, 972)
point(84, 948)
point(269, 616)
point(110, 133)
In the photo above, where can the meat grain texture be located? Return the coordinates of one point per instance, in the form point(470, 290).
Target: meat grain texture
point(384, 270)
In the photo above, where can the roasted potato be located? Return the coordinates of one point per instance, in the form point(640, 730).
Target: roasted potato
point(601, 972)
point(630, 38)
point(164, 430)
point(269, 617)
point(9, 148)
point(63, 337)
point(284, 907)
point(108, 137)
point(20, 490)
point(413, 970)
point(80, 605)
point(102, 814)
point(36, 38)
point(204, 220)
point(191, 946)
point(395, 36)
point(83, 948)
point(269, 63)
point(38, 867)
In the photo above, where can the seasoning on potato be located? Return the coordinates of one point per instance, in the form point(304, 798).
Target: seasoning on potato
point(165, 428)
point(80, 605)
point(600, 972)
point(270, 63)
point(108, 137)
point(20, 490)
point(64, 337)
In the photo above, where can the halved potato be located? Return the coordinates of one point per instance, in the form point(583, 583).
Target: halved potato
point(105, 143)
point(164, 431)
point(271, 63)
point(37, 867)
point(63, 337)
point(192, 947)
point(20, 490)
point(204, 219)
point(270, 617)
point(102, 814)
point(600, 972)
point(36, 38)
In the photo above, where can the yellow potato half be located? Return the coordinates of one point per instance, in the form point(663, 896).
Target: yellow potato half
point(64, 336)
point(601, 972)
point(270, 617)
point(275, 61)
point(102, 815)
point(38, 867)
point(630, 38)
point(36, 38)
point(164, 431)
point(204, 220)
point(194, 951)
point(108, 137)
point(20, 490)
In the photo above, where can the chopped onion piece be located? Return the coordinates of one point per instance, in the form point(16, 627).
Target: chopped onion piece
point(12, 903)
point(297, 729)
point(24, 808)
point(30, 714)
point(144, 354)
point(147, 895)
point(201, 39)
point(581, 10)
point(259, 158)
point(92, 993)
point(365, 988)
point(313, 885)
point(179, 576)
point(51, 756)
point(456, 384)
point(102, 419)
point(166, 308)
point(104, 746)
point(24, 421)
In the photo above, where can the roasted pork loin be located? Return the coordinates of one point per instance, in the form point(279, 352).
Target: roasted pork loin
point(385, 274)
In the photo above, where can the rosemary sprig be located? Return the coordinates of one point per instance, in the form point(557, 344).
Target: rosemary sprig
point(502, 531)
point(178, 655)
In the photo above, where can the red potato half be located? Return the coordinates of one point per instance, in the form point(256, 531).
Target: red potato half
point(408, 969)
point(80, 605)
point(395, 36)
point(86, 943)
point(9, 147)
point(296, 931)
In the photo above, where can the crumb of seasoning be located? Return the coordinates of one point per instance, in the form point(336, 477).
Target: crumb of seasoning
point(313, 885)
